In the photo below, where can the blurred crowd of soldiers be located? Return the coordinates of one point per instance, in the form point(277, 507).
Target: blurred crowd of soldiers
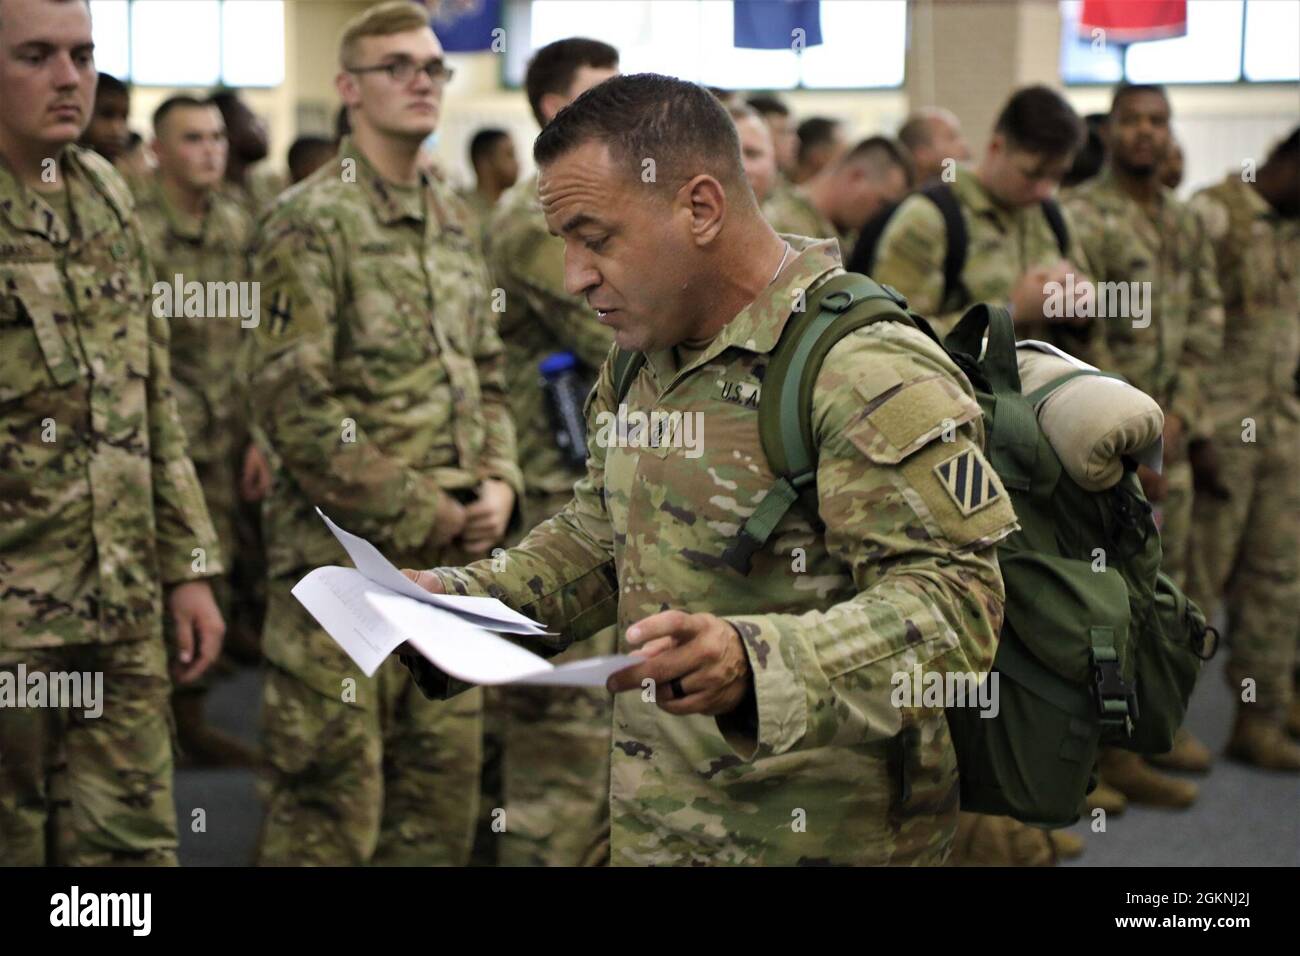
point(384, 385)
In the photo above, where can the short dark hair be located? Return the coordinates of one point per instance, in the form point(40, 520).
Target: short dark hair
point(1038, 120)
point(815, 131)
point(1129, 89)
point(178, 101)
point(482, 142)
point(768, 104)
point(880, 153)
point(1288, 149)
point(679, 125)
point(111, 84)
point(302, 148)
point(1091, 156)
point(552, 68)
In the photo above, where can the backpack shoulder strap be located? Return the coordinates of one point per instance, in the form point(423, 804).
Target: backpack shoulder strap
point(1056, 220)
point(954, 224)
point(863, 257)
point(840, 306)
point(626, 366)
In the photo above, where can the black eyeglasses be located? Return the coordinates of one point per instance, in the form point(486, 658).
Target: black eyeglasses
point(402, 70)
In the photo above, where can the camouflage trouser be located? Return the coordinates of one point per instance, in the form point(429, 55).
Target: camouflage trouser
point(1246, 550)
point(90, 790)
point(362, 770)
point(554, 747)
point(547, 801)
point(1176, 521)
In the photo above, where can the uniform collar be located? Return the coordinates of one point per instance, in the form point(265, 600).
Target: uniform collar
point(392, 204)
point(179, 222)
point(758, 326)
point(1249, 196)
point(28, 211)
point(1107, 180)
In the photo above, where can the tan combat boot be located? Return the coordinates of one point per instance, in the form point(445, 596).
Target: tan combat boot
point(202, 745)
point(1132, 776)
point(1068, 846)
point(1260, 742)
point(984, 840)
point(1188, 754)
point(1106, 797)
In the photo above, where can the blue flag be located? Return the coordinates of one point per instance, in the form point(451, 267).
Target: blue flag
point(771, 24)
point(466, 26)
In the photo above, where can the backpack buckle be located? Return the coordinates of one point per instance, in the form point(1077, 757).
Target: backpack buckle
point(1116, 700)
point(895, 295)
point(839, 301)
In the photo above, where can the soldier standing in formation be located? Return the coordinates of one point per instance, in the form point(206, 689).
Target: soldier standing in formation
point(378, 379)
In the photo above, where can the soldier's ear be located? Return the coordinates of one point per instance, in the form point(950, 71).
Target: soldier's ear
point(708, 203)
point(346, 85)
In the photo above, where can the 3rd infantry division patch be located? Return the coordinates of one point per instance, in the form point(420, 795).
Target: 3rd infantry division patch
point(967, 480)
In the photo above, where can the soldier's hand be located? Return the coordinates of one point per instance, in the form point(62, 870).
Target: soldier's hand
point(199, 629)
point(255, 476)
point(431, 583)
point(700, 653)
point(1028, 295)
point(427, 580)
point(486, 519)
point(448, 520)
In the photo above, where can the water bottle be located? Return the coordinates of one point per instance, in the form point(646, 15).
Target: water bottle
point(565, 395)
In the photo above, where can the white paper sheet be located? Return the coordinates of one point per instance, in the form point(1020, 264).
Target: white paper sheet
point(484, 611)
point(371, 609)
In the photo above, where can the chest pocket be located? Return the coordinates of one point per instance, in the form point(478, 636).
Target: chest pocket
point(33, 352)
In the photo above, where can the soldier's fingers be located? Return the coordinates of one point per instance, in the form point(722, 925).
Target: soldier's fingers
point(665, 623)
point(425, 579)
point(184, 637)
point(653, 648)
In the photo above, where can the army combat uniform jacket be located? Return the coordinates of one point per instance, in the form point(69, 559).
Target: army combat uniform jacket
point(901, 576)
point(100, 507)
point(378, 373)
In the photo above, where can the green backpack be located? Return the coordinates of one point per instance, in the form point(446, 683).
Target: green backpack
point(1097, 646)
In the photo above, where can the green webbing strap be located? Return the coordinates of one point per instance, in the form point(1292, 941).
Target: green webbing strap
point(840, 306)
point(626, 366)
point(1040, 393)
point(1113, 694)
point(997, 359)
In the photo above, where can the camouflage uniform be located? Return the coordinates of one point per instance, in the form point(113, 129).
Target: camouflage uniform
point(207, 376)
point(832, 772)
point(789, 210)
point(1249, 545)
point(1169, 358)
point(1002, 244)
point(480, 211)
point(554, 741)
point(257, 193)
point(378, 380)
point(100, 509)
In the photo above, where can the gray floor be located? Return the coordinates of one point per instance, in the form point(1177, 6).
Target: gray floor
point(1244, 817)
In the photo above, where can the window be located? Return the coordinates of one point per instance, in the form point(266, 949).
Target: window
point(1227, 41)
point(195, 43)
point(694, 40)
